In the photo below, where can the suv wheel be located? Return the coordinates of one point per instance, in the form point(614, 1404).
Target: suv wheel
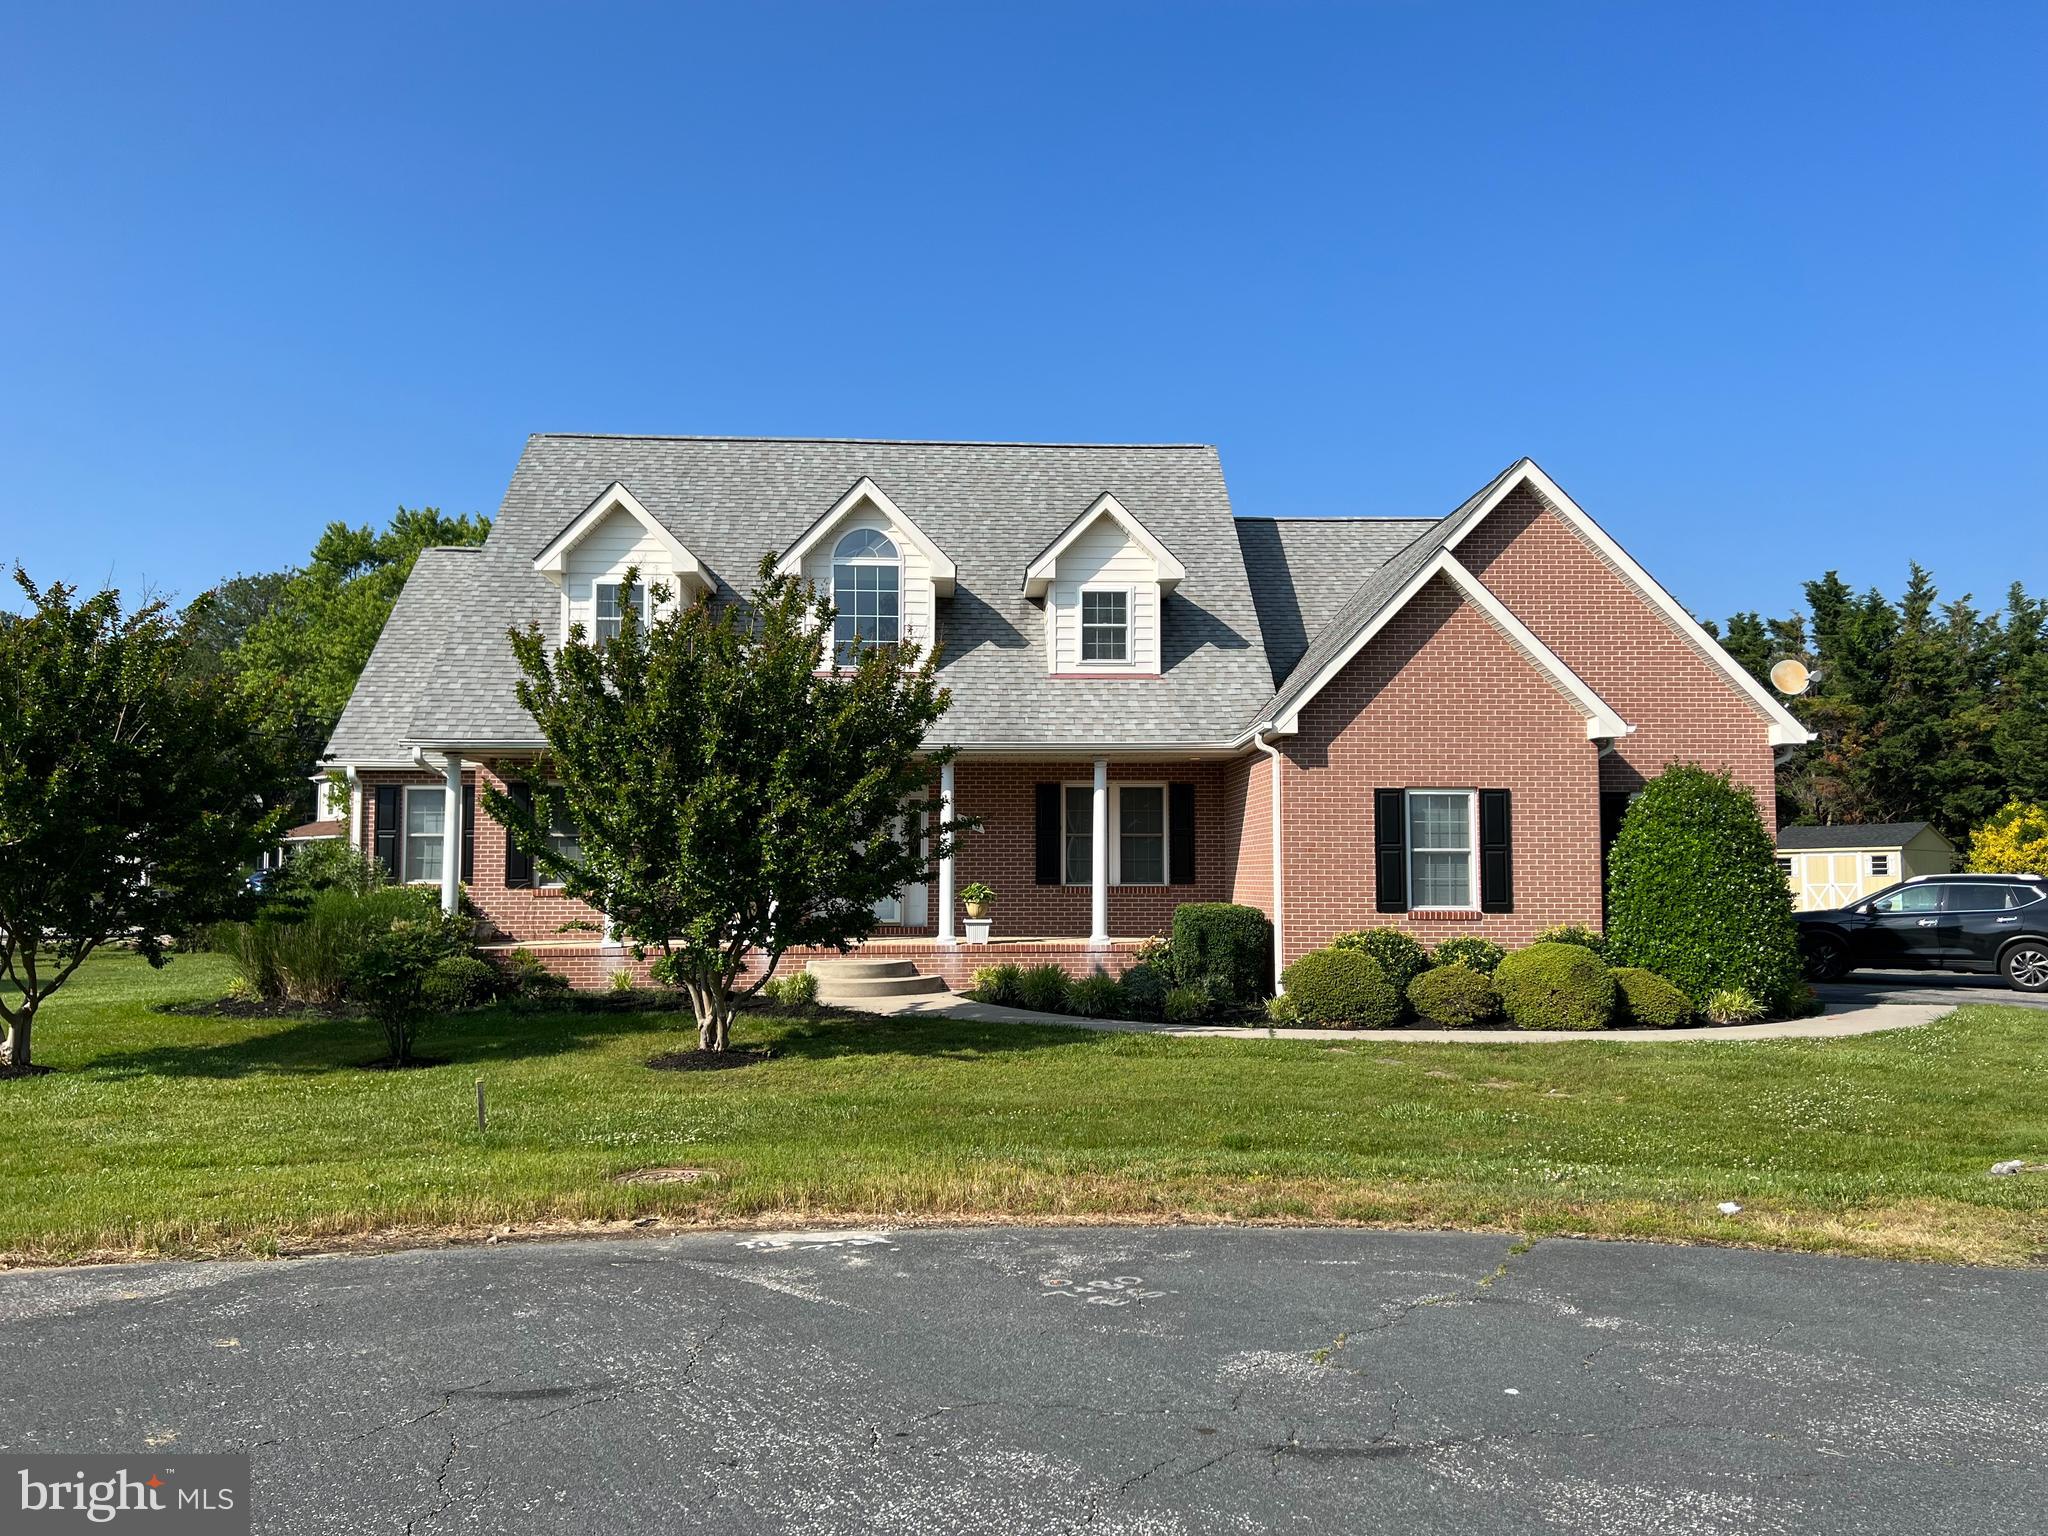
point(2026, 965)
point(1827, 959)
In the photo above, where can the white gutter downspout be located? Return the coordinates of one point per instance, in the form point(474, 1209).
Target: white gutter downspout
point(1279, 885)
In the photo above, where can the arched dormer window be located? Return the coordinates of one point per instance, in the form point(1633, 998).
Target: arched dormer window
point(867, 589)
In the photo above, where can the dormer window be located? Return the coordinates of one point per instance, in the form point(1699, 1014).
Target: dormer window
point(608, 621)
point(1105, 626)
point(867, 589)
point(1104, 582)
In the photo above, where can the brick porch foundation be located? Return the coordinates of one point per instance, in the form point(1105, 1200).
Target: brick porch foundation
point(589, 965)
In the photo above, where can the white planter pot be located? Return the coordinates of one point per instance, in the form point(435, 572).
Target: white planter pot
point(977, 929)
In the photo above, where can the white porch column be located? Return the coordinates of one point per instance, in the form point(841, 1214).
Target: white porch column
point(1098, 910)
point(451, 835)
point(355, 811)
point(946, 862)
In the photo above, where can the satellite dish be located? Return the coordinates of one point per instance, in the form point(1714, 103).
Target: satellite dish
point(1790, 676)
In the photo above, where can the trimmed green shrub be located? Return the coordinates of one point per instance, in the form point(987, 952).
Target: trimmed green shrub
point(1649, 1000)
point(1732, 1005)
point(1475, 954)
point(389, 972)
point(1043, 989)
point(1694, 892)
point(1454, 996)
point(1225, 949)
point(332, 864)
point(1574, 933)
point(1399, 957)
point(997, 984)
point(304, 955)
point(1145, 988)
point(1100, 996)
point(1555, 986)
point(1186, 1005)
point(797, 989)
point(1342, 989)
point(530, 978)
point(457, 982)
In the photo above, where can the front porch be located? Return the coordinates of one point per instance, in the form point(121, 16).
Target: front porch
point(591, 963)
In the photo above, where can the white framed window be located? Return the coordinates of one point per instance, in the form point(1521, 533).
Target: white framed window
point(564, 842)
point(867, 589)
point(1880, 865)
point(1139, 851)
point(1105, 626)
point(426, 810)
point(1443, 852)
point(608, 613)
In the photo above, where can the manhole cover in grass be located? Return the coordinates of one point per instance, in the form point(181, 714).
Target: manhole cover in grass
point(665, 1176)
point(707, 1061)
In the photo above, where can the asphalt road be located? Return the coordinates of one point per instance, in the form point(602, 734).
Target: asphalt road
point(1154, 1380)
point(1951, 988)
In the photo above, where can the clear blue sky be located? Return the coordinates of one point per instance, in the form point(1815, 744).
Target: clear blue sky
point(1761, 285)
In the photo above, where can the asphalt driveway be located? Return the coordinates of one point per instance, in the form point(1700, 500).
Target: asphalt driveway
point(1030, 1380)
point(1950, 989)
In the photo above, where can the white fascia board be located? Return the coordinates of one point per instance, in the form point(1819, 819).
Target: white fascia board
point(1785, 729)
point(552, 562)
point(1602, 722)
point(866, 491)
point(1038, 575)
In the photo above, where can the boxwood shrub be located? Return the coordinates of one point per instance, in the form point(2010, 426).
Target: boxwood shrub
point(1649, 1000)
point(1695, 895)
point(1556, 986)
point(1573, 933)
point(1400, 958)
point(1145, 988)
point(1454, 996)
point(1473, 953)
point(1223, 949)
point(1342, 989)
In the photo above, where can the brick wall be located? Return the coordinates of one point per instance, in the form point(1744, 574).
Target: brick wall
point(1684, 708)
point(1248, 823)
point(1440, 698)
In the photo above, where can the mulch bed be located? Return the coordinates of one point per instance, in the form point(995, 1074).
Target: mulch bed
point(386, 1064)
point(708, 1061)
point(254, 1008)
point(7, 1071)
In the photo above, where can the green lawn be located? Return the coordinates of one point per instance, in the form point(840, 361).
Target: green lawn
point(162, 1132)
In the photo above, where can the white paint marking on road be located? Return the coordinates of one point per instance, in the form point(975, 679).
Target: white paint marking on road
point(1117, 1291)
point(778, 1242)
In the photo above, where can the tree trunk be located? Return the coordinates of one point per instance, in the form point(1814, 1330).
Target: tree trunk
point(713, 1007)
point(16, 1054)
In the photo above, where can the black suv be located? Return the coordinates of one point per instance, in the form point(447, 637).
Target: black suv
point(1983, 923)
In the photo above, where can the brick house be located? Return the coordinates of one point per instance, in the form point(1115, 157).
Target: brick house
point(1432, 723)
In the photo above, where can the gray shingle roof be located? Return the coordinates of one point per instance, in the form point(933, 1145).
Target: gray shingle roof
point(373, 727)
point(990, 506)
point(1874, 834)
point(1303, 568)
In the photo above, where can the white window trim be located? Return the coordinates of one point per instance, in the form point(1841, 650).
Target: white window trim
point(1880, 874)
point(1410, 849)
point(1116, 840)
point(615, 583)
point(833, 562)
point(439, 792)
point(1130, 596)
point(541, 880)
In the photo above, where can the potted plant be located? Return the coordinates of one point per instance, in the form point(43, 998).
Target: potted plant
point(978, 898)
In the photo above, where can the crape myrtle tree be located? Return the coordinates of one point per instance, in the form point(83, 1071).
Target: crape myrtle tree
point(134, 792)
point(733, 792)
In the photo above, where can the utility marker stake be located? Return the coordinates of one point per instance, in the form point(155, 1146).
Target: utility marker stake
point(480, 1105)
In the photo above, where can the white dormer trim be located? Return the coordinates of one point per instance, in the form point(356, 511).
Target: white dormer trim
point(685, 569)
point(866, 493)
point(1038, 575)
point(1784, 727)
point(1602, 722)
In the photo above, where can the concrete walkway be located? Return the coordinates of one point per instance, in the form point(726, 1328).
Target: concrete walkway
point(1840, 1019)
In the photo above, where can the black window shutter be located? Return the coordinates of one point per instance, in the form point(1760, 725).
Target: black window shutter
point(1049, 834)
point(1180, 833)
point(518, 863)
point(468, 834)
point(1390, 849)
point(385, 838)
point(1496, 852)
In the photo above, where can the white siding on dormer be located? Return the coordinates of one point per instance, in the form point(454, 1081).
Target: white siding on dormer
point(1103, 556)
point(603, 554)
point(917, 570)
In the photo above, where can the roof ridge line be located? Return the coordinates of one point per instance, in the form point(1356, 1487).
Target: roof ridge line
point(873, 442)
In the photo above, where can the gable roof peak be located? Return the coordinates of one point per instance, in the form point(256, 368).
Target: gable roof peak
point(1038, 574)
point(864, 492)
point(552, 561)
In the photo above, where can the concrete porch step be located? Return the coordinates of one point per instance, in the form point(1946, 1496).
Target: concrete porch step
point(854, 981)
